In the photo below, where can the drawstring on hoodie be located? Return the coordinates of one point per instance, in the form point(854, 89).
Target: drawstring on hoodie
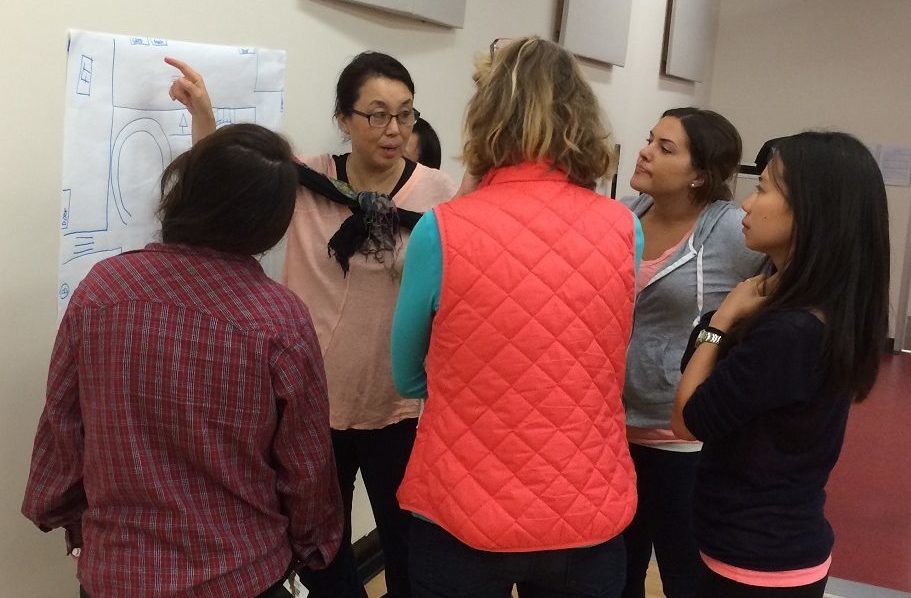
point(700, 275)
point(699, 283)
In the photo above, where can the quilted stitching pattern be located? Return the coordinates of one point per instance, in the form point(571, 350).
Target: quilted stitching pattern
point(522, 445)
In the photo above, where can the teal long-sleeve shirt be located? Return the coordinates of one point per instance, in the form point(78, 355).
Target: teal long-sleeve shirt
point(419, 300)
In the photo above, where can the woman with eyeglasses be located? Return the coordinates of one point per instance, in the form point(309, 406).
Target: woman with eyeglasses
point(513, 320)
point(345, 253)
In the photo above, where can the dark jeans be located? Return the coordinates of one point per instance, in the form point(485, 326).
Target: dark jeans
point(444, 567)
point(712, 585)
point(276, 590)
point(665, 487)
point(381, 456)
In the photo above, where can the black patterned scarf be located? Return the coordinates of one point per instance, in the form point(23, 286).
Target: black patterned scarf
point(374, 225)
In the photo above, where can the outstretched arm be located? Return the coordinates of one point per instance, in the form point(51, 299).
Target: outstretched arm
point(190, 90)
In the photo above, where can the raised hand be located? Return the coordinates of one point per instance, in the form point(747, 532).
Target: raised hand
point(190, 90)
point(743, 300)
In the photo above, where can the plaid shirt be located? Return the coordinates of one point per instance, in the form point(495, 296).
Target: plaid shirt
point(185, 441)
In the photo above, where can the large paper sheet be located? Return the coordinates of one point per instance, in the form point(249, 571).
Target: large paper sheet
point(122, 129)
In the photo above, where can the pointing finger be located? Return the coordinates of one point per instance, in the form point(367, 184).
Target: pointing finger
point(184, 68)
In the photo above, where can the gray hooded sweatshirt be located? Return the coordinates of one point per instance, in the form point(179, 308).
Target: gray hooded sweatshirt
point(693, 281)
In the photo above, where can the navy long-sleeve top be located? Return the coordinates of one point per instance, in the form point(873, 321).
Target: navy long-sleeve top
point(772, 435)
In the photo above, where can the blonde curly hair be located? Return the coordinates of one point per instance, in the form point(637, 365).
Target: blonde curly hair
point(533, 104)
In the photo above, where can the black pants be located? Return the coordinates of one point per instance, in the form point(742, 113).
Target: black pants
point(712, 585)
point(381, 455)
point(444, 567)
point(664, 482)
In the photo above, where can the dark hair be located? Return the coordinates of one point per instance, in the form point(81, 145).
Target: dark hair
point(364, 66)
point(765, 153)
point(233, 191)
point(429, 152)
point(840, 258)
point(715, 149)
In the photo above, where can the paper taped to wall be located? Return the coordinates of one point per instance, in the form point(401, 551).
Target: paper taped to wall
point(122, 129)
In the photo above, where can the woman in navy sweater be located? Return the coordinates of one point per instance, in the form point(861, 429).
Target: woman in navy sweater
point(769, 377)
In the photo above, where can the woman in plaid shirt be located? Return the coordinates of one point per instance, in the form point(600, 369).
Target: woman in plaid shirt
point(185, 444)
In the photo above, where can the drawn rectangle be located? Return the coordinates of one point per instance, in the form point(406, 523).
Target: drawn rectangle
point(84, 84)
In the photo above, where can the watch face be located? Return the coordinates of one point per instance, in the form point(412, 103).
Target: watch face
point(706, 336)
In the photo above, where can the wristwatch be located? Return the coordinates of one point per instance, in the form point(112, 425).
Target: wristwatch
point(709, 335)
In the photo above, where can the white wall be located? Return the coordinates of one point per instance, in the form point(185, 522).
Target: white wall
point(320, 37)
point(783, 66)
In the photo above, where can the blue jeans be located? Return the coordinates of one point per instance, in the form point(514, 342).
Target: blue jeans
point(444, 567)
point(664, 482)
point(381, 456)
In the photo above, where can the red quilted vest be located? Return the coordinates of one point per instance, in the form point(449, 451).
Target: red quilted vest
point(522, 443)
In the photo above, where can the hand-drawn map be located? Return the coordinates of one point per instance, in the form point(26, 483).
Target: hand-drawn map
point(122, 129)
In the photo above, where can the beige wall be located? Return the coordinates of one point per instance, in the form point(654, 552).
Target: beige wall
point(782, 66)
point(320, 37)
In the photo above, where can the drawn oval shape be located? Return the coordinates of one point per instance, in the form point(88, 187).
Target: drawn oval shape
point(140, 154)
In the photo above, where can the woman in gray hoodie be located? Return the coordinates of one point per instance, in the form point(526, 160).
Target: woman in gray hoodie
point(694, 254)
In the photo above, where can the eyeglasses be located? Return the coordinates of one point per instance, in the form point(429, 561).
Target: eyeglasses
point(499, 44)
point(381, 120)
